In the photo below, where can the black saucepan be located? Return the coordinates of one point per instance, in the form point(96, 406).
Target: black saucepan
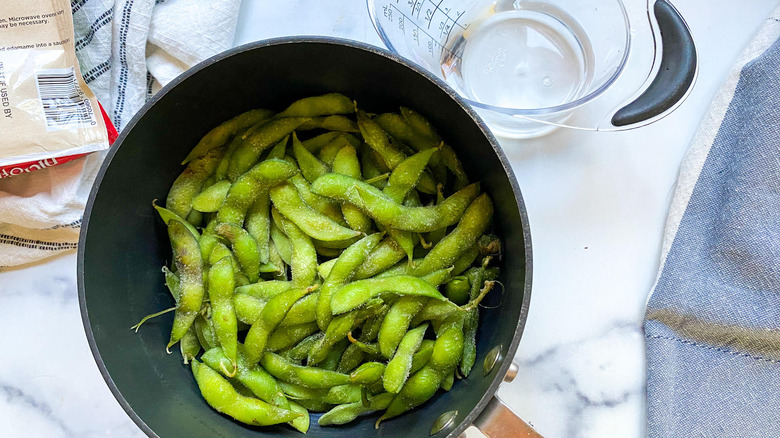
point(124, 244)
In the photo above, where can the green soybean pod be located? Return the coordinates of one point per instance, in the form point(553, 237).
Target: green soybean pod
point(303, 375)
point(167, 215)
point(189, 345)
point(301, 350)
point(221, 285)
point(326, 104)
point(251, 185)
point(338, 328)
point(273, 313)
point(324, 205)
point(220, 135)
point(301, 424)
point(400, 365)
point(256, 379)
point(265, 290)
point(473, 224)
point(472, 321)
point(221, 396)
point(436, 235)
point(288, 201)
point(258, 225)
point(189, 265)
point(352, 357)
point(205, 332)
point(332, 359)
point(314, 144)
point(282, 242)
point(407, 174)
point(346, 163)
point(328, 152)
point(465, 260)
point(210, 199)
point(421, 357)
point(304, 255)
point(386, 254)
point(348, 393)
point(330, 123)
point(457, 290)
point(303, 311)
point(247, 307)
point(417, 219)
point(188, 184)
point(278, 151)
point(396, 323)
point(367, 373)
point(287, 336)
point(244, 247)
point(423, 384)
point(311, 166)
point(392, 214)
point(343, 269)
point(358, 292)
point(346, 413)
point(376, 138)
point(246, 154)
point(324, 268)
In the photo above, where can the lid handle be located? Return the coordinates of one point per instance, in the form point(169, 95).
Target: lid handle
point(676, 74)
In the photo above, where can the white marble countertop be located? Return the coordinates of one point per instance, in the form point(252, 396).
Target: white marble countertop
point(597, 204)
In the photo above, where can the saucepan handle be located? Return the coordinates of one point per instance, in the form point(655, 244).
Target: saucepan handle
point(497, 420)
point(675, 75)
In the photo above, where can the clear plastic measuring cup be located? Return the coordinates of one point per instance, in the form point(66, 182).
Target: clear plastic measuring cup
point(530, 66)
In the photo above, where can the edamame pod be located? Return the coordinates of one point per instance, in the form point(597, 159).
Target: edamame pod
point(246, 154)
point(357, 293)
point(189, 265)
point(220, 395)
point(288, 201)
point(220, 135)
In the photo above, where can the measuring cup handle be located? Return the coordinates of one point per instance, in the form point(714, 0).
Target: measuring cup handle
point(675, 75)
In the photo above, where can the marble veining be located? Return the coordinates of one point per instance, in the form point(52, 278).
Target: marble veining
point(596, 203)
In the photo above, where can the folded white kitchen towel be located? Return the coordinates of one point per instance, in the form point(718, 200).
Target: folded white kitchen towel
point(127, 50)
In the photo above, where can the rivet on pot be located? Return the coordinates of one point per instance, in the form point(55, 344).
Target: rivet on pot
point(493, 357)
point(444, 421)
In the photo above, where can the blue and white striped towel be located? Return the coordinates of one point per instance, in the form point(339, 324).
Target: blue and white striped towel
point(127, 50)
point(712, 325)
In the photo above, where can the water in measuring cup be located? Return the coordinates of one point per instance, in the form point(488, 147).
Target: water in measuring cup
point(520, 59)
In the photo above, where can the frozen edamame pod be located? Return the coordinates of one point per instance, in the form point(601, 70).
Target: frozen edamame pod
point(303, 261)
point(305, 375)
point(273, 313)
point(246, 154)
point(331, 123)
point(210, 199)
point(343, 269)
point(346, 163)
point(326, 104)
point(288, 201)
point(355, 294)
point(189, 265)
point(221, 395)
point(244, 247)
point(222, 133)
point(398, 368)
point(345, 413)
point(190, 181)
point(251, 185)
point(472, 224)
point(311, 167)
point(221, 285)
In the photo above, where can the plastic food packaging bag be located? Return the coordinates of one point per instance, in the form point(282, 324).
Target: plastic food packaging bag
point(48, 115)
